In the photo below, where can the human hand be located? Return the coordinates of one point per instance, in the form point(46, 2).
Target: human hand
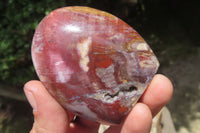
point(50, 117)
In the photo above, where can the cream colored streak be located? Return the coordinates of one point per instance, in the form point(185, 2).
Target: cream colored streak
point(83, 49)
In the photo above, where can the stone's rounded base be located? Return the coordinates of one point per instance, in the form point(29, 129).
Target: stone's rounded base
point(93, 63)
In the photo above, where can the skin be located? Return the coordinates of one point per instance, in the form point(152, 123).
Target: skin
point(139, 120)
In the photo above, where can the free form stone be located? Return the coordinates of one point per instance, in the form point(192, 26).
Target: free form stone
point(92, 63)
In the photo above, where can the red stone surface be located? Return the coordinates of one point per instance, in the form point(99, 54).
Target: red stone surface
point(93, 63)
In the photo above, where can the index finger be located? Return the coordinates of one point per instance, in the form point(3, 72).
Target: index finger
point(158, 93)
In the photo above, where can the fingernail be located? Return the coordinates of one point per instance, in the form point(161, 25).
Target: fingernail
point(31, 99)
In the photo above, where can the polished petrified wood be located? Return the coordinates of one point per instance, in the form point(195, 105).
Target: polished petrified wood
point(92, 63)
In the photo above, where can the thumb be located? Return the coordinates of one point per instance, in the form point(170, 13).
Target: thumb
point(49, 116)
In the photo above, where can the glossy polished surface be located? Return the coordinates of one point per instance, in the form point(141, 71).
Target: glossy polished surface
point(93, 63)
